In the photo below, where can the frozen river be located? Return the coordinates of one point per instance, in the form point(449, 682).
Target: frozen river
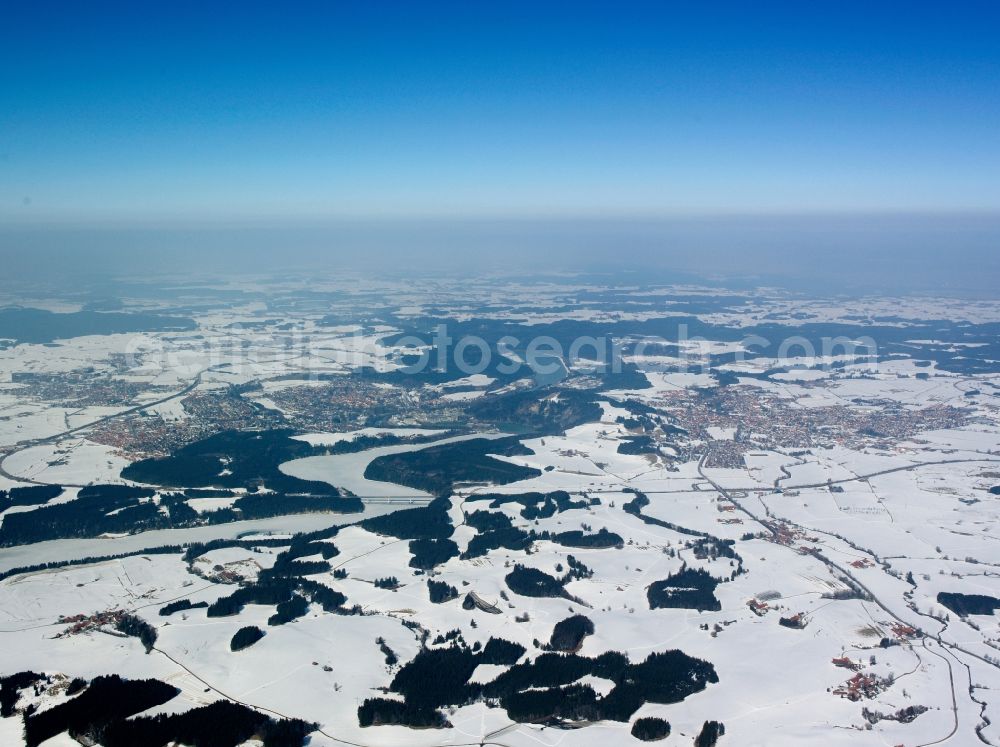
point(341, 470)
point(76, 549)
point(347, 471)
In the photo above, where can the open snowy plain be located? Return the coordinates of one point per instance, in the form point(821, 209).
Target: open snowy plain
point(815, 536)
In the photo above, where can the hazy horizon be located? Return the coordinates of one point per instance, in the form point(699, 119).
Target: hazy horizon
point(895, 253)
point(830, 150)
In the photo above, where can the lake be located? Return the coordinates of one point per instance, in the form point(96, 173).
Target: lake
point(347, 471)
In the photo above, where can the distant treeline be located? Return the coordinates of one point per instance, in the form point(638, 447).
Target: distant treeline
point(124, 509)
point(363, 443)
point(43, 326)
point(890, 336)
point(536, 412)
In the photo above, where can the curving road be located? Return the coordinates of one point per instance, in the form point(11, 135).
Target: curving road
point(845, 572)
point(23, 445)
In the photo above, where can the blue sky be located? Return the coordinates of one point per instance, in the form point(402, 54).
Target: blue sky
point(182, 110)
point(135, 110)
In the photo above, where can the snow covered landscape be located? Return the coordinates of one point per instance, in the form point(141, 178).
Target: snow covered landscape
point(499, 374)
point(275, 511)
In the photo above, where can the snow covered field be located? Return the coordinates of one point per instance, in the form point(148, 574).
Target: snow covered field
point(832, 506)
